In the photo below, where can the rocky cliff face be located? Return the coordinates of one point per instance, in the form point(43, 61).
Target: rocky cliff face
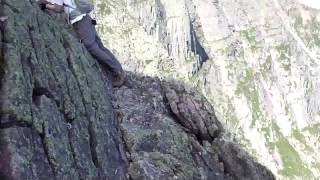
point(60, 119)
point(256, 61)
point(171, 132)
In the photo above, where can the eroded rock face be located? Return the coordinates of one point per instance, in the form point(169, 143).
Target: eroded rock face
point(171, 132)
point(56, 115)
point(261, 75)
point(60, 119)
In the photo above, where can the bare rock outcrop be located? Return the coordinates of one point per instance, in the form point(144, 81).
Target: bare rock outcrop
point(60, 119)
point(170, 132)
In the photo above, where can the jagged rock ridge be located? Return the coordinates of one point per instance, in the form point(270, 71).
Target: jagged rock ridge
point(60, 119)
point(261, 75)
point(171, 132)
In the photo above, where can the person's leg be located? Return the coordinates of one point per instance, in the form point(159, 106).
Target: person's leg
point(87, 34)
point(107, 51)
point(120, 75)
point(100, 44)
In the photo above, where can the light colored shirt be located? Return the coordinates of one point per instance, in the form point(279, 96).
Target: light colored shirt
point(311, 3)
point(69, 6)
point(78, 18)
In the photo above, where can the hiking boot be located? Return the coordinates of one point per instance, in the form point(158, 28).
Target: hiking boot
point(119, 79)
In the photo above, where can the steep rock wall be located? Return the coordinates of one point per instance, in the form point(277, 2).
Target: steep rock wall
point(261, 74)
point(56, 115)
point(170, 131)
point(60, 119)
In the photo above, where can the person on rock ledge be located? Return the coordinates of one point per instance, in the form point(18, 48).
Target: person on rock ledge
point(78, 12)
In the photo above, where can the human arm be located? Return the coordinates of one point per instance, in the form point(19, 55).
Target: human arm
point(56, 7)
point(43, 2)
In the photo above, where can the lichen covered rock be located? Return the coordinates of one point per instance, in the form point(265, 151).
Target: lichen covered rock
point(60, 119)
point(171, 132)
point(257, 62)
point(56, 116)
